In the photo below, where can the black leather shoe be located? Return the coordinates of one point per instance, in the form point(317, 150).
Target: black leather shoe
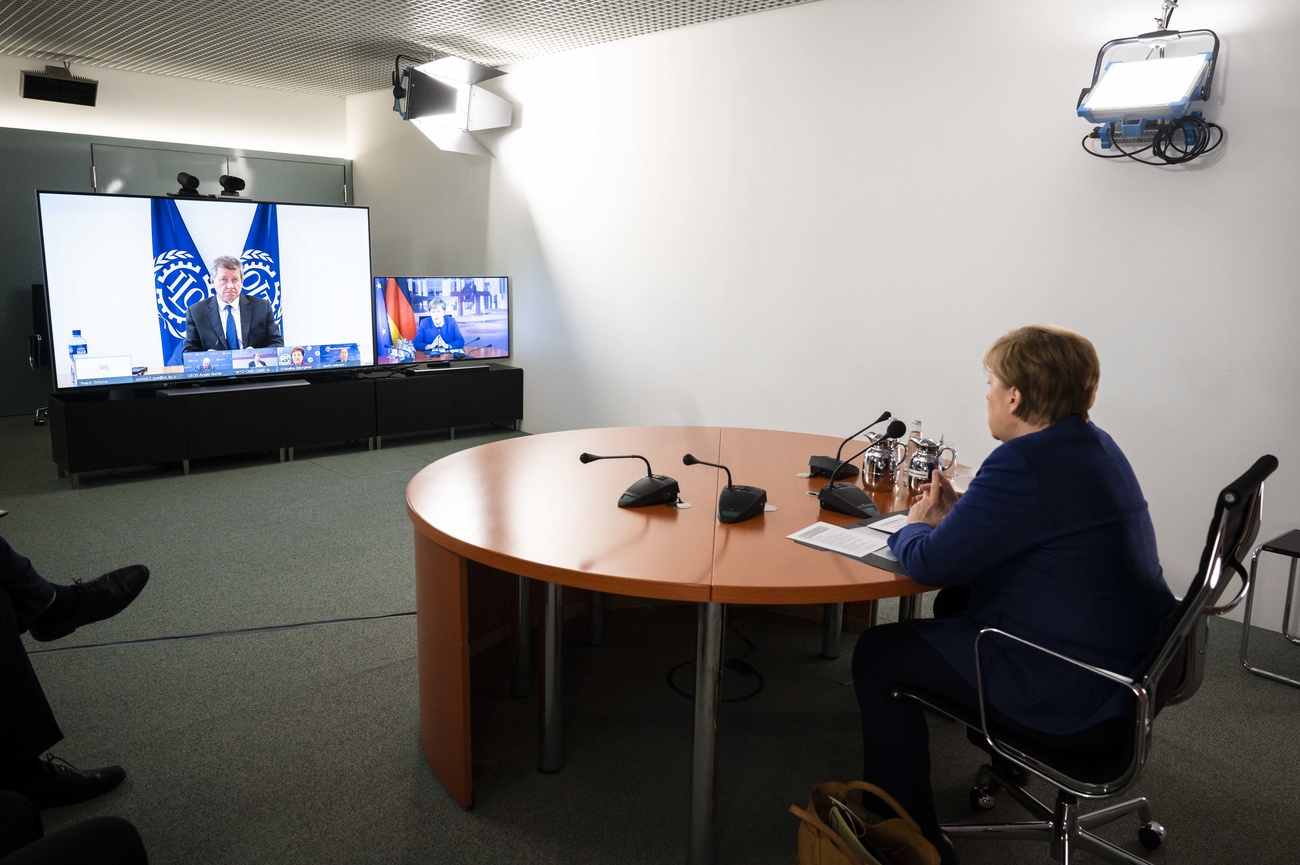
point(101, 598)
point(58, 783)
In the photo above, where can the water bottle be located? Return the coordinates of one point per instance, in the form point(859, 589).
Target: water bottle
point(76, 346)
point(913, 439)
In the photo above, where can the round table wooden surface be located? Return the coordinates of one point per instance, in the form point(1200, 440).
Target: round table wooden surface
point(527, 505)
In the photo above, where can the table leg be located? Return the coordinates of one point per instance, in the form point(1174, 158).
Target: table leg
point(521, 674)
point(442, 648)
point(909, 607)
point(596, 620)
point(708, 672)
point(551, 757)
point(832, 627)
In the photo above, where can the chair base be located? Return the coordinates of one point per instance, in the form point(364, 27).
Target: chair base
point(1064, 827)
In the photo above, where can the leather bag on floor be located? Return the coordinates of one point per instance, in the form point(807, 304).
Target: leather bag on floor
point(836, 830)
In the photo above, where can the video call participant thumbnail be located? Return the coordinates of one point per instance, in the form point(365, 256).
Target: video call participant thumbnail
point(213, 363)
point(340, 355)
point(230, 319)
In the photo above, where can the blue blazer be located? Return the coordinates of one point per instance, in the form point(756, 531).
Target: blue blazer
point(450, 333)
point(203, 329)
point(1054, 536)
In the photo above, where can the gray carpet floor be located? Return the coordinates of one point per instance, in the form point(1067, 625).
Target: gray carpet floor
point(301, 745)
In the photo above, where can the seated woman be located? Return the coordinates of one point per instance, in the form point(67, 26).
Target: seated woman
point(438, 331)
point(1055, 541)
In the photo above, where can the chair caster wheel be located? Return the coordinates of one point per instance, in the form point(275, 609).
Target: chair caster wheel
point(982, 798)
point(1151, 834)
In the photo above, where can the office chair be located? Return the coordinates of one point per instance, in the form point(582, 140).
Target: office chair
point(1171, 673)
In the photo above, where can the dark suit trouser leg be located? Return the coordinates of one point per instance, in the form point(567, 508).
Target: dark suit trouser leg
point(27, 725)
point(20, 823)
point(29, 592)
point(895, 737)
point(98, 841)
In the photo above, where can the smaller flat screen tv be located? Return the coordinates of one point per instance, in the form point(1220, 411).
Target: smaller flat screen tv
point(439, 319)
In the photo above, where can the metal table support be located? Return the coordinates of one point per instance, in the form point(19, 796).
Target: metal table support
point(832, 627)
point(909, 607)
point(521, 672)
point(596, 620)
point(551, 758)
point(708, 673)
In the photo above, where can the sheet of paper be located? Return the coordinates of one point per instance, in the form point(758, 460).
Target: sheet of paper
point(884, 552)
point(889, 525)
point(855, 543)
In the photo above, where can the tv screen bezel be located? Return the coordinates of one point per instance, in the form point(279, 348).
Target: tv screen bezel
point(223, 381)
point(469, 359)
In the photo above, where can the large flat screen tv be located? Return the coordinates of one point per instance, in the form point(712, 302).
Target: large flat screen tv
point(439, 319)
point(144, 290)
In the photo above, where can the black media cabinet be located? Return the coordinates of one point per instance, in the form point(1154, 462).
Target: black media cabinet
point(107, 430)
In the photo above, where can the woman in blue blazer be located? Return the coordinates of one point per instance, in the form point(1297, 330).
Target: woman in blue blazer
point(1053, 542)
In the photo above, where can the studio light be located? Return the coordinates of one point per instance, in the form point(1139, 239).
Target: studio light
point(1146, 89)
point(443, 100)
point(1142, 92)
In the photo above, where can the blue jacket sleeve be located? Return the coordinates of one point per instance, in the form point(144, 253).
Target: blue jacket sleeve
point(984, 528)
point(425, 334)
point(451, 333)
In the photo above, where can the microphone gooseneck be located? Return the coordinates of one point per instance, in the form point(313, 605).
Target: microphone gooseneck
point(835, 467)
point(652, 489)
point(590, 458)
point(883, 417)
point(691, 459)
point(834, 483)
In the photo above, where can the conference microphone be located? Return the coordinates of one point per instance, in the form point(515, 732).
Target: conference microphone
point(736, 502)
point(846, 497)
point(834, 467)
point(652, 489)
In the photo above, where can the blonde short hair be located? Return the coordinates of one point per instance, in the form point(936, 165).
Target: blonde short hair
point(1056, 371)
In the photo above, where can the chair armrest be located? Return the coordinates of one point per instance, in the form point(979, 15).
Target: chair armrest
point(1141, 729)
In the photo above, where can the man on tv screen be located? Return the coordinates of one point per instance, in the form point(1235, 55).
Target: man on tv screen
point(439, 331)
point(230, 319)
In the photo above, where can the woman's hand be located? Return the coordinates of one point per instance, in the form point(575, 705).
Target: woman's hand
point(937, 499)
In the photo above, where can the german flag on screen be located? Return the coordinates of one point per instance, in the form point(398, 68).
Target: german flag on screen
point(401, 318)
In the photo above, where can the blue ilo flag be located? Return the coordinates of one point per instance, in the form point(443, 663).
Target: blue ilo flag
point(261, 260)
point(381, 320)
point(179, 276)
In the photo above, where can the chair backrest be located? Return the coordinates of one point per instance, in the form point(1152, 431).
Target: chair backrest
point(1173, 670)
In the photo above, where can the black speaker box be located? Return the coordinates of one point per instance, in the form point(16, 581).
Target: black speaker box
point(59, 85)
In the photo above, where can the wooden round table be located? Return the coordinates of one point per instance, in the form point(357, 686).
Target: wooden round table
point(528, 506)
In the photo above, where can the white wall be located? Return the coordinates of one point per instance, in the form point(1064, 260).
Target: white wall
point(799, 218)
point(161, 108)
point(428, 208)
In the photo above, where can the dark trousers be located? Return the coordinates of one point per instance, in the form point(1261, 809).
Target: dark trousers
point(27, 725)
point(895, 736)
point(99, 841)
